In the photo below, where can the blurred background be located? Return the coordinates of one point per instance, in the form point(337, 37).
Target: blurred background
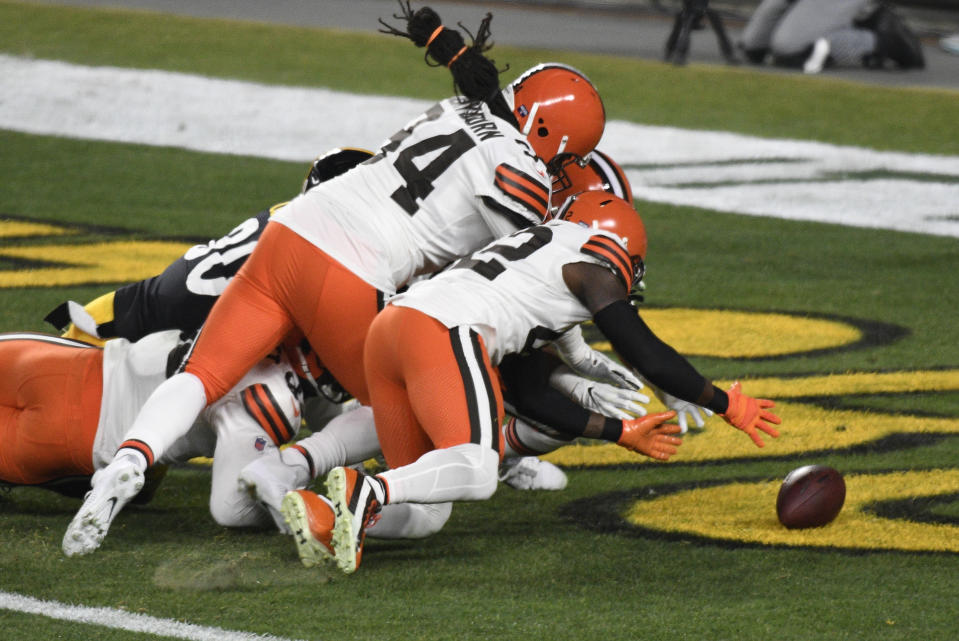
point(637, 28)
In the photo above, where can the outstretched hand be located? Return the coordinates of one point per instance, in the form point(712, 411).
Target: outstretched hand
point(648, 435)
point(750, 415)
point(685, 411)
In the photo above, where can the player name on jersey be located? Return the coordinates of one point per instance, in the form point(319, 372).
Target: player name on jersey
point(475, 118)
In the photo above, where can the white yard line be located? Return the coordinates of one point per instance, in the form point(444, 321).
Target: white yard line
point(163, 108)
point(120, 620)
point(721, 171)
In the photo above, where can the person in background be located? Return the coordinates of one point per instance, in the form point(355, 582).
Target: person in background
point(950, 43)
point(815, 34)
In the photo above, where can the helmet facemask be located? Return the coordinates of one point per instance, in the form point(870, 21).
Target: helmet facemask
point(637, 287)
point(557, 169)
point(597, 171)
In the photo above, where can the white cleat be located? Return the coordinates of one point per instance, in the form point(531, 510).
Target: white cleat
point(268, 479)
point(532, 473)
point(113, 487)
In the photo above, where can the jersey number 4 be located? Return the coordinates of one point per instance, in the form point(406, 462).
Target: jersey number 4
point(419, 180)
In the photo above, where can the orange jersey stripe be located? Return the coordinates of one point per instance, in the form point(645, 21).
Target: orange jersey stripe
point(523, 188)
point(611, 253)
point(262, 406)
point(140, 447)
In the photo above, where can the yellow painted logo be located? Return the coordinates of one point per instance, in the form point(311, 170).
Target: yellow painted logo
point(745, 512)
point(806, 427)
point(61, 264)
point(741, 511)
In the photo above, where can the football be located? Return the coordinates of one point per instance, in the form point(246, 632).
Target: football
point(810, 496)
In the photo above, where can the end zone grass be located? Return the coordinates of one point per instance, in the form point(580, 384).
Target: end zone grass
point(522, 565)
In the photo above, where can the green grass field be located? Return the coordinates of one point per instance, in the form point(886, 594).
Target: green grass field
point(563, 565)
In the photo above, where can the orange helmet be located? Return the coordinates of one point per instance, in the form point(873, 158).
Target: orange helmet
point(600, 173)
point(559, 111)
point(601, 210)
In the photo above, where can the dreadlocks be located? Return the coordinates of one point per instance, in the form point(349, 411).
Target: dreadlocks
point(475, 76)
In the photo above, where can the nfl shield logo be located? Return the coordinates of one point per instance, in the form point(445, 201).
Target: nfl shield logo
point(523, 111)
point(259, 444)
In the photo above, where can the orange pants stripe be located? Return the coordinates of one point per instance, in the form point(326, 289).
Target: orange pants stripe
point(50, 390)
point(430, 387)
point(287, 282)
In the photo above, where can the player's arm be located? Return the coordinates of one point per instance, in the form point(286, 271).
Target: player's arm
point(591, 363)
point(602, 294)
point(528, 394)
point(518, 197)
point(614, 401)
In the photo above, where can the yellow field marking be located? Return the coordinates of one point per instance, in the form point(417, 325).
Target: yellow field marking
point(23, 229)
point(108, 262)
point(805, 427)
point(746, 513)
point(854, 383)
point(734, 334)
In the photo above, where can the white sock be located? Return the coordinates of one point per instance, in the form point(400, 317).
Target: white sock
point(523, 438)
point(347, 439)
point(297, 461)
point(465, 472)
point(168, 414)
point(410, 520)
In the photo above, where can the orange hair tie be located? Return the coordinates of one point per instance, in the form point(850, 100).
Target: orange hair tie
point(433, 35)
point(458, 54)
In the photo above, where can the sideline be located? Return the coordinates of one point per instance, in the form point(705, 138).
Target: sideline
point(120, 620)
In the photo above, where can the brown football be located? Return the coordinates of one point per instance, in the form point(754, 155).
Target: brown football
point(810, 496)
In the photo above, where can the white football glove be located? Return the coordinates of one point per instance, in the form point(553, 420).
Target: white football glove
point(586, 361)
point(685, 411)
point(608, 400)
point(82, 319)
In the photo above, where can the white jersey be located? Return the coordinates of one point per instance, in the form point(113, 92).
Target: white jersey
point(454, 179)
point(131, 371)
point(512, 291)
point(261, 412)
point(264, 406)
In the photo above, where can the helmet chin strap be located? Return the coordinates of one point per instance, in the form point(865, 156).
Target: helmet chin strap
point(562, 145)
